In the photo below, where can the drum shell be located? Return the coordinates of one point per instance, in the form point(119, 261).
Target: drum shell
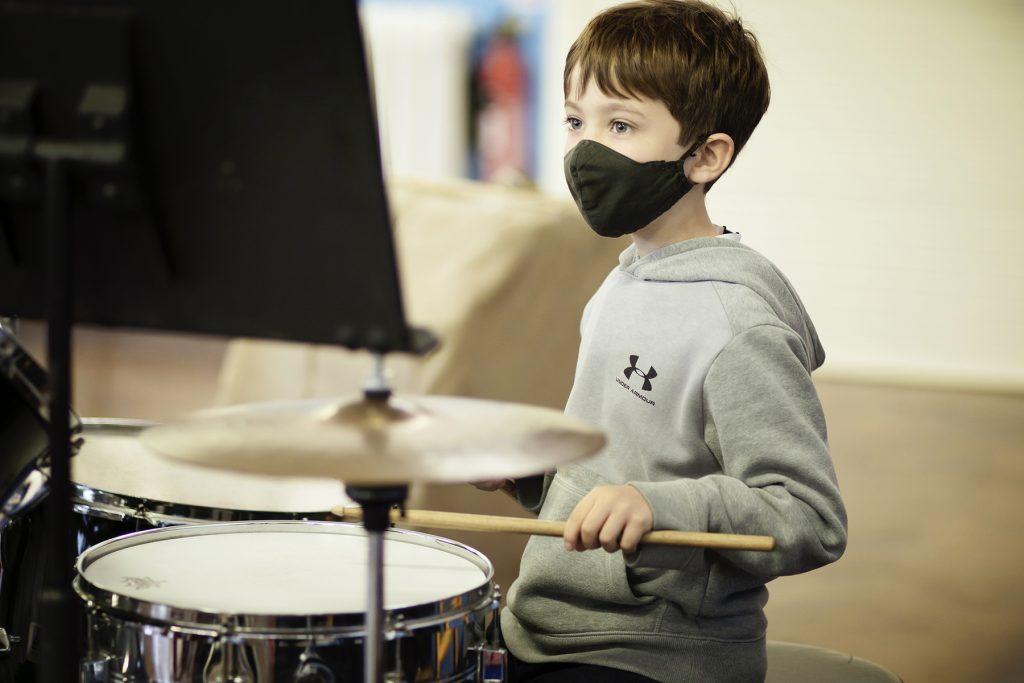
point(134, 652)
point(135, 640)
point(107, 506)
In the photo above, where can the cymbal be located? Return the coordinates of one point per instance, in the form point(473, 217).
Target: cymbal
point(374, 442)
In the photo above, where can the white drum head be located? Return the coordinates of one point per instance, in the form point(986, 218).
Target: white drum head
point(114, 461)
point(279, 568)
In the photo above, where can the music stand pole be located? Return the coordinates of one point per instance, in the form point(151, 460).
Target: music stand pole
point(60, 643)
point(60, 638)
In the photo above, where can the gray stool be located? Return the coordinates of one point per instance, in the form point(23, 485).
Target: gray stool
point(793, 663)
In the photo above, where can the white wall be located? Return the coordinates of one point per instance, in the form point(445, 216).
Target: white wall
point(419, 57)
point(884, 179)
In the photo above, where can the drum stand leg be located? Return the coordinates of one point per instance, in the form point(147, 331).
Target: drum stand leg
point(376, 504)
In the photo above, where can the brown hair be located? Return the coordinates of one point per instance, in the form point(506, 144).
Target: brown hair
point(702, 63)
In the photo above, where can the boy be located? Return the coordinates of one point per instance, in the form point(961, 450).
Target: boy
point(695, 358)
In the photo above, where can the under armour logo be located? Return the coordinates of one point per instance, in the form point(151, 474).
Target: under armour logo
point(648, 376)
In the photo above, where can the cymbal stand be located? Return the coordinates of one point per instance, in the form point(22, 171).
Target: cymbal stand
point(376, 502)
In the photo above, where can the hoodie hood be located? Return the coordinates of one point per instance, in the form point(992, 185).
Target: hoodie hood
point(707, 259)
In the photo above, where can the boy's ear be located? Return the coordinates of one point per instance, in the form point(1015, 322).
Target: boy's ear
point(712, 158)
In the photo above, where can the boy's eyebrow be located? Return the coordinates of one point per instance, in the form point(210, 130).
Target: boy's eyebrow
point(619, 106)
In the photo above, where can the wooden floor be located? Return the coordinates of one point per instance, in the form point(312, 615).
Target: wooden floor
point(931, 585)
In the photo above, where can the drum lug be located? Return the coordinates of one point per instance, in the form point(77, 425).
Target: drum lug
point(492, 658)
point(96, 511)
point(396, 632)
point(312, 669)
point(492, 664)
point(228, 662)
point(95, 670)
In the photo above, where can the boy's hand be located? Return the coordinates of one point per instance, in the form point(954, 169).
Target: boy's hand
point(490, 484)
point(609, 517)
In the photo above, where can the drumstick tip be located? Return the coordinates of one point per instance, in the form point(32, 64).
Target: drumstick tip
point(344, 512)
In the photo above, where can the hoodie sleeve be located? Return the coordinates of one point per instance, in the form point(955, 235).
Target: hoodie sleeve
point(530, 492)
point(765, 425)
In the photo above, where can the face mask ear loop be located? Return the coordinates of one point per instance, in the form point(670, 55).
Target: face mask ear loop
point(701, 139)
point(692, 152)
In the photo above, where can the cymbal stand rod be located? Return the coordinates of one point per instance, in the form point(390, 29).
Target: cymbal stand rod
point(377, 385)
point(373, 654)
point(377, 503)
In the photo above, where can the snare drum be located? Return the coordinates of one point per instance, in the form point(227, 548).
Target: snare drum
point(280, 601)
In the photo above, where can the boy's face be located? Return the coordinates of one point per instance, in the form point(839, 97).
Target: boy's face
point(641, 129)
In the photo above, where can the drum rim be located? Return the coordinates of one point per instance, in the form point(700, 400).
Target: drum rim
point(122, 506)
point(98, 502)
point(117, 424)
point(296, 626)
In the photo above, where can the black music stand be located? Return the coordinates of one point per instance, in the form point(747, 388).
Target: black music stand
point(188, 165)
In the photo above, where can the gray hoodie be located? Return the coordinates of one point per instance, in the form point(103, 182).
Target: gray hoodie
point(696, 360)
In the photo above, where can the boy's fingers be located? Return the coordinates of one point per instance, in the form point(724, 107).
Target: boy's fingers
point(489, 485)
point(571, 531)
point(609, 539)
point(612, 518)
point(631, 536)
point(612, 531)
point(593, 526)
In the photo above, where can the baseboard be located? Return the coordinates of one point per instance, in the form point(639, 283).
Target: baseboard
point(1006, 381)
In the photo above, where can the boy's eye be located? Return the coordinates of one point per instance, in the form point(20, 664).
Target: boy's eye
point(621, 127)
point(573, 123)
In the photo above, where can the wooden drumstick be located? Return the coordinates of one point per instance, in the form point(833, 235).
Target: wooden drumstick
point(516, 525)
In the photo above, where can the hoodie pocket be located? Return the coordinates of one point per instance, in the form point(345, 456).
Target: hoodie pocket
point(560, 591)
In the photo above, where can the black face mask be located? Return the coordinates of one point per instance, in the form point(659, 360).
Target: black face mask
point(617, 195)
